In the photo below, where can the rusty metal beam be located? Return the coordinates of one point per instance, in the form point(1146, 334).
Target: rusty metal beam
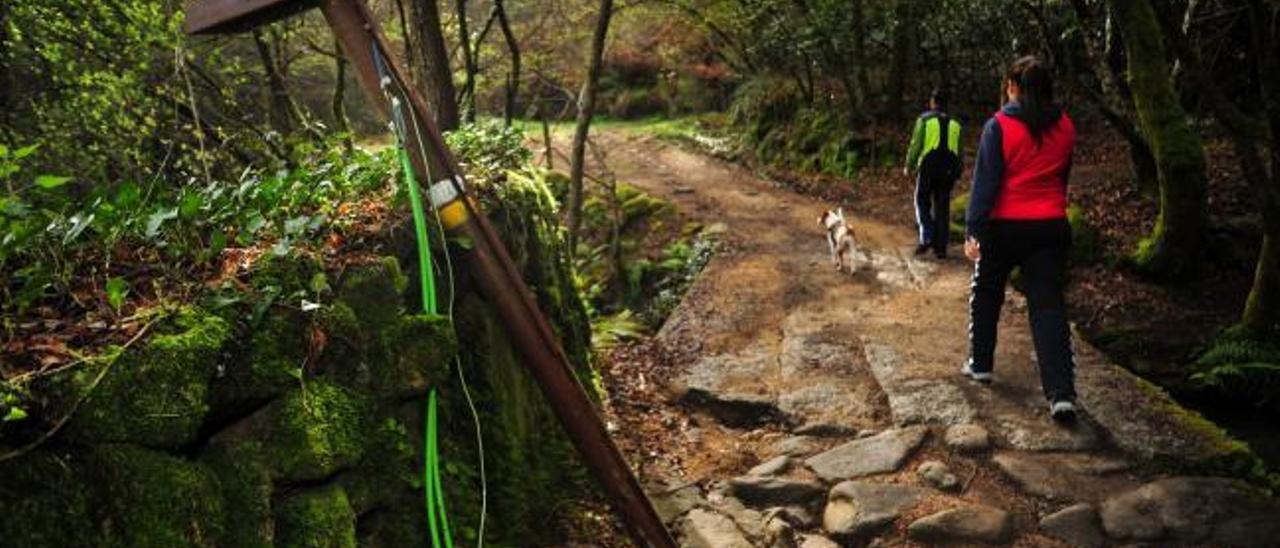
point(229, 16)
point(489, 262)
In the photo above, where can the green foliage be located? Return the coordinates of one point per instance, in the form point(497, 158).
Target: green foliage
point(1242, 368)
point(609, 331)
point(488, 149)
point(680, 266)
point(51, 237)
point(782, 131)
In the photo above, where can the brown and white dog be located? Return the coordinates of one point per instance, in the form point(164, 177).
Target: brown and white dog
point(840, 239)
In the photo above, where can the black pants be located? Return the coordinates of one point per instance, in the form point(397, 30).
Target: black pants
point(1040, 248)
point(933, 211)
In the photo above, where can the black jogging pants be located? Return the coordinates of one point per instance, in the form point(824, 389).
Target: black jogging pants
point(1040, 249)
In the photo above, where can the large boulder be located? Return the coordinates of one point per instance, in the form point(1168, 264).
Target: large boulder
point(1193, 510)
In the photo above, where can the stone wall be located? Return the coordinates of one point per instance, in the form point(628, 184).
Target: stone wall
point(279, 427)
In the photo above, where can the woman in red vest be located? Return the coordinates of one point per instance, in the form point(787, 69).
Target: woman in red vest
point(1018, 218)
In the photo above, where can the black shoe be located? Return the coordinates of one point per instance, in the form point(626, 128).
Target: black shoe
point(1063, 410)
point(920, 249)
point(940, 255)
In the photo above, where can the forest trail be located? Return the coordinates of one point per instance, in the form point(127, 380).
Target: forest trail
point(797, 405)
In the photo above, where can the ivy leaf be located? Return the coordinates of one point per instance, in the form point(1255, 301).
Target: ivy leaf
point(158, 218)
point(51, 181)
point(79, 222)
point(217, 243)
point(190, 205)
point(116, 291)
point(15, 414)
point(319, 283)
point(25, 151)
point(296, 225)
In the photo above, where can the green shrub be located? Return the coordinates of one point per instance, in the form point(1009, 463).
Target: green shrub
point(1084, 238)
point(1241, 367)
point(487, 149)
point(638, 103)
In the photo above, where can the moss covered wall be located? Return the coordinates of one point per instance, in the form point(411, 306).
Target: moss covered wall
point(301, 428)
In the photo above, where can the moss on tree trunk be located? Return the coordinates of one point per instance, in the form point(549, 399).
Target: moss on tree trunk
point(1174, 243)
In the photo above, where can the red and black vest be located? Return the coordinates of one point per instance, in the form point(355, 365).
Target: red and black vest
point(1032, 187)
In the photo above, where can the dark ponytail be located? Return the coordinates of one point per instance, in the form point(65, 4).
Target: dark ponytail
point(1035, 82)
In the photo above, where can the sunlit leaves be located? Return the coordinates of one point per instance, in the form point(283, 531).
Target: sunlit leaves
point(51, 181)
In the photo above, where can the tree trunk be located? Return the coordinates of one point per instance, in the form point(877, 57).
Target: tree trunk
point(904, 31)
point(1173, 247)
point(1262, 310)
point(6, 84)
point(586, 108)
point(408, 41)
point(859, 52)
point(468, 96)
point(433, 68)
point(279, 112)
point(548, 152)
point(1116, 103)
point(337, 105)
point(513, 78)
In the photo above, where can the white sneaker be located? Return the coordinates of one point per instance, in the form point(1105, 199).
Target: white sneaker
point(1063, 410)
point(980, 376)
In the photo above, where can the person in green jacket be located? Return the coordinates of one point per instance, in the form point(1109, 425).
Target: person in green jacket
point(935, 155)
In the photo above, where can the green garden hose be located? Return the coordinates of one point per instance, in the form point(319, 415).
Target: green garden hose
point(433, 488)
point(420, 227)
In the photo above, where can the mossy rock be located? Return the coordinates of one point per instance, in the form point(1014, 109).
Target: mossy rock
point(401, 525)
point(244, 481)
point(317, 518)
point(344, 339)
point(173, 367)
point(388, 470)
point(44, 501)
point(315, 431)
point(1216, 452)
point(374, 293)
point(421, 349)
point(1084, 238)
point(150, 499)
point(285, 273)
point(277, 349)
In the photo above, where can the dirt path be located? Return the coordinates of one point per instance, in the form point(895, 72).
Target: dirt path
point(845, 391)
